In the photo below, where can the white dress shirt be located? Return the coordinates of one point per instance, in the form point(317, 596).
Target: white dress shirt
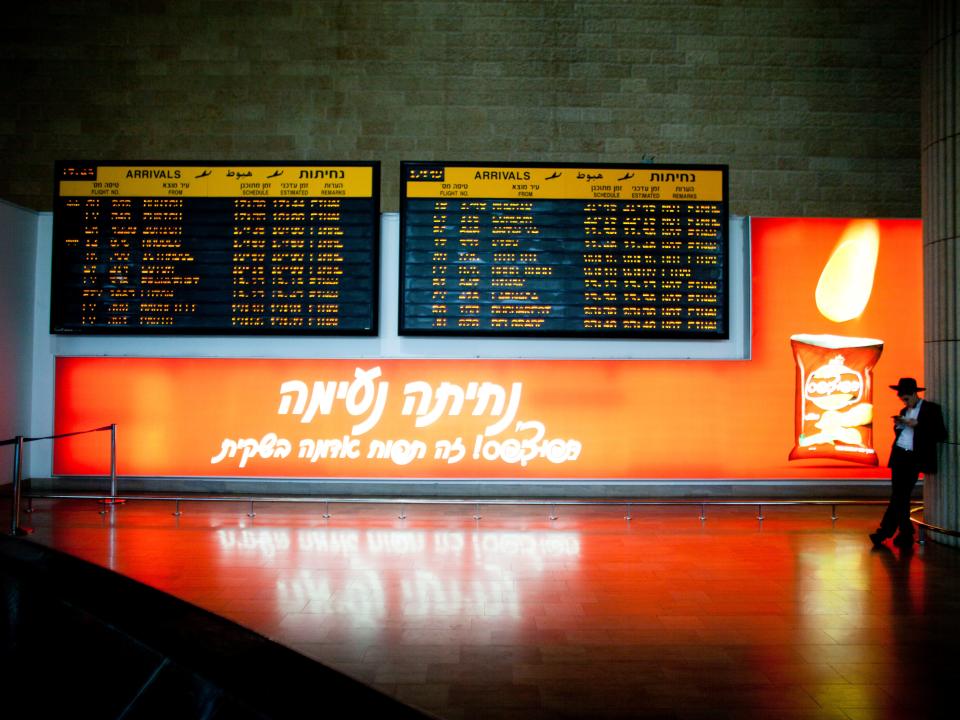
point(905, 439)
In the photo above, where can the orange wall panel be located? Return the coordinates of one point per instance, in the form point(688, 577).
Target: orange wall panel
point(573, 419)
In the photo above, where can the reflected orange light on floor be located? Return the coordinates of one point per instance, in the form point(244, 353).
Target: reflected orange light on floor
point(520, 616)
point(835, 583)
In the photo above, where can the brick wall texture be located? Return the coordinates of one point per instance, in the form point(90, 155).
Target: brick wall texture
point(814, 105)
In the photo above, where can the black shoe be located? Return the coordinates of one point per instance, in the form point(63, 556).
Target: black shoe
point(904, 541)
point(877, 539)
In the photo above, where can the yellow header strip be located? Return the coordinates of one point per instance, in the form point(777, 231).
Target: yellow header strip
point(220, 181)
point(566, 183)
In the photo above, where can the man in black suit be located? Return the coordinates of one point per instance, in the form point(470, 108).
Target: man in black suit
point(918, 427)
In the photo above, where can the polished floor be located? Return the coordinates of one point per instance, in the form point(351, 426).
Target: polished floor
point(515, 615)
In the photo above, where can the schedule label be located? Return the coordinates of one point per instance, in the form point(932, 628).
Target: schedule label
point(636, 251)
point(216, 248)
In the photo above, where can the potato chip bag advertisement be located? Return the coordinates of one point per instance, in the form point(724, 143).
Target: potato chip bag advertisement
point(836, 316)
point(835, 397)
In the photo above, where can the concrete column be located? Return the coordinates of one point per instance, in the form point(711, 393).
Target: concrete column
point(940, 94)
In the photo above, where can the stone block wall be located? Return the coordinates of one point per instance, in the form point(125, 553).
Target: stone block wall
point(814, 105)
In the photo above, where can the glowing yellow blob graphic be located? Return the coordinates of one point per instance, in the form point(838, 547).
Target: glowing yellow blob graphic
point(847, 279)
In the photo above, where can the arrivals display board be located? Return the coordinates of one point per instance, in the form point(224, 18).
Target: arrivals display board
point(578, 250)
point(249, 248)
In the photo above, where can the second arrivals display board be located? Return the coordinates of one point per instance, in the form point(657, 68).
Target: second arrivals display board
point(636, 251)
point(216, 248)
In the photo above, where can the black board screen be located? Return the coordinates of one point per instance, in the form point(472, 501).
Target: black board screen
point(246, 248)
point(578, 250)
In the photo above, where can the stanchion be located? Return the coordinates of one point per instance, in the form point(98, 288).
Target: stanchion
point(15, 528)
point(113, 499)
point(19, 440)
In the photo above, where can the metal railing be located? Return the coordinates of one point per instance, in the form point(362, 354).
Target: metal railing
point(924, 527)
point(478, 503)
point(15, 527)
point(115, 498)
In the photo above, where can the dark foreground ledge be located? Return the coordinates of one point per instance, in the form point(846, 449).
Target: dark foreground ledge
point(77, 640)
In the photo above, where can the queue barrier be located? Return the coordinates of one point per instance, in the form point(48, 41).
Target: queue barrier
point(15, 527)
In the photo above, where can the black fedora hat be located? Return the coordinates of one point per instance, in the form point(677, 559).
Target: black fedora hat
point(907, 386)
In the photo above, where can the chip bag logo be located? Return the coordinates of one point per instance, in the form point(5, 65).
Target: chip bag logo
point(834, 386)
point(834, 401)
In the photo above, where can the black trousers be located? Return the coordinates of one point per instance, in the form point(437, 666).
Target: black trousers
point(903, 479)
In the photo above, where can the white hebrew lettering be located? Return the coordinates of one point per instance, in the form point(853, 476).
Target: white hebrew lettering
point(322, 398)
point(291, 386)
point(489, 399)
point(269, 446)
point(507, 419)
point(360, 396)
point(371, 396)
point(401, 452)
point(445, 393)
point(250, 447)
point(228, 448)
point(452, 452)
point(332, 448)
point(426, 395)
point(283, 448)
point(525, 450)
point(306, 448)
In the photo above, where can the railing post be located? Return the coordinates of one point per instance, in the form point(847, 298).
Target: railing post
point(113, 461)
point(113, 499)
point(15, 528)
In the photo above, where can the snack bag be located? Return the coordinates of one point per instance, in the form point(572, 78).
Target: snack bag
point(834, 398)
